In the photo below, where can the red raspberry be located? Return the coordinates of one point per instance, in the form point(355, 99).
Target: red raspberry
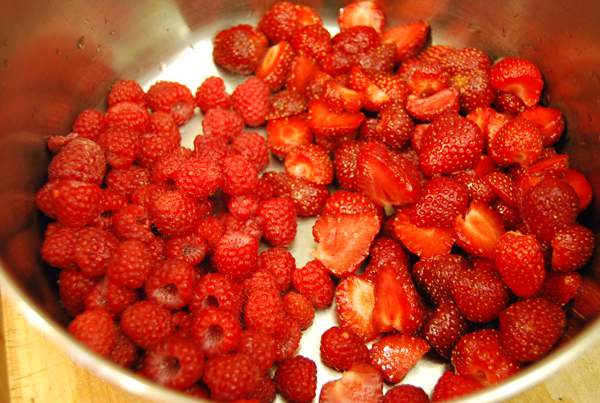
point(130, 264)
point(260, 346)
point(128, 115)
point(216, 290)
point(162, 138)
point(340, 349)
point(174, 213)
point(126, 91)
point(73, 287)
point(57, 249)
point(55, 143)
point(236, 254)
point(253, 147)
point(232, 376)
point(190, 248)
point(72, 203)
point(225, 123)
point(175, 363)
point(212, 229)
point(296, 379)
point(299, 308)
point(209, 147)
point(264, 312)
point(132, 222)
point(92, 251)
point(89, 123)
point(171, 284)
point(261, 281)
point(156, 246)
point(288, 337)
point(216, 331)
point(251, 100)
point(314, 283)
point(406, 393)
point(280, 263)
point(278, 217)
point(167, 96)
point(239, 176)
point(266, 391)
point(165, 168)
point(111, 297)
point(80, 159)
point(243, 207)
point(146, 323)
point(182, 324)
point(198, 178)
point(128, 180)
point(120, 145)
point(211, 94)
point(239, 49)
point(95, 328)
point(125, 352)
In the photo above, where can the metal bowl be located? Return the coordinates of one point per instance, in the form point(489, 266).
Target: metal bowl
point(58, 57)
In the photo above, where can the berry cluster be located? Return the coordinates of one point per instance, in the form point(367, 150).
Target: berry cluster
point(453, 229)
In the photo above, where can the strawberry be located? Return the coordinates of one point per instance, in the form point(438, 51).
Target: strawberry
point(384, 252)
point(374, 98)
point(286, 133)
point(310, 162)
point(549, 121)
point(581, 185)
point(307, 15)
point(436, 275)
point(444, 328)
point(361, 12)
point(479, 356)
point(406, 393)
point(519, 261)
point(312, 40)
point(325, 121)
point(560, 288)
point(509, 104)
point(529, 328)
point(378, 60)
point(315, 89)
point(572, 247)
point(356, 40)
point(385, 176)
point(354, 302)
point(511, 217)
point(451, 143)
point(336, 63)
point(345, 165)
point(408, 39)
point(424, 78)
point(392, 85)
point(427, 109)
point(239, 49)
point(395, 355)
point(517, 142)
point(344, 231)
point(362, 383)
point(474, 87)
point(503, 187)
point(479, 230)
point(519, 77)
point(302, 70)
point(450, 386)
point(441, 201)
point(586, 303)
point(275, 65)
point(341, 98)
point(394, 127)
point(489, 121)
point(397, 304)
point(416, 136)
point(424, 242)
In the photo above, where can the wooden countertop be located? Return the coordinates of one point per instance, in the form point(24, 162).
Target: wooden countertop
point(33, 370)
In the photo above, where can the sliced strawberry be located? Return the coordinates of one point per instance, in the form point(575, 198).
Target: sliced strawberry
point(503, 187)
point(441, 201)
point(308, 197)
point(285, 134)
point(474, 87)
point(358, 80)
point(310, 162)
point(354, 302)
point(424, 78)
point(285, 104)
point(345, 165)
point(581, 185)
point(361, 12)
point(519, 77)
point(586, 303)
point(572, 247)
point(362, 383)
point(427, 109)
point(489, 121)
point(311, 40)
point(479, 230)
point(510, 215)
point(478, 189)
point(560, 288)
point(349, 203)
point(549, 121)
point(386, 177)
point(417, 135)
point(451, 386)
point(356, 40)
point(302, 71)
point(279, 22)
point(509, 104)
point(394, 127)
point(485, 166)
point(374, 98)
point(336, 63)
point(397, 304)
point(378, 60)
point(395, 355)
point(340, 97)
point(306, 15)
point(275, 65)
point(392, 85)
point(517, 142)
point(436, 275)
point(425, 242)
point(554, 163)
point(384, 252)
point(327, 122)
point(409, 39)
point(444, 328)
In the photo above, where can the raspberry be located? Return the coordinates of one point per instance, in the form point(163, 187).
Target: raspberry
point(260, 346)
point(340, 349)
point(243, 207)
point(111, 297)
point(126, 91)
point(299, 308)
point(288, 337)
point(92, 251)
point(120, 145)
point(198, 177)
point(314, 283)
point(253, 147)
point(167, 96)
point(174, 213)
point(171, 284)
point(280, 263)
point(73, 287)
point(239, 49)
point(296, 379)
point(231, 376)
point(130, 264)
point(81, 160)
point(127, 180)
point(156, 246)
point(166, 167)
point(216, 290)
point(96, 329)
point(125, 352)
point(132, 222)
point(57, 249)
point(251, 226)
point(217, 331)
point(211, 94)
point(239, 176)
point(264, 312)
point(89, 123)
point(182, 324)
point(209, 147)
point(127, 115)
point(176, 363)
point(265, 392)
point(146, 323)
point(162, 139)
point(260, 281)
point(72, 203)
point(251, 100)
point(278, 220)
point(236, 254)
point(225, 123)
point(406, 393)
point(55, 143)
point(190, 248)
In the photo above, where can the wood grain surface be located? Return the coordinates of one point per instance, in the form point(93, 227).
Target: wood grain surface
point(33, 370)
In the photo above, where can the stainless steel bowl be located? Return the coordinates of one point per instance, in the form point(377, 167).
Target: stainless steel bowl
point(58, 57)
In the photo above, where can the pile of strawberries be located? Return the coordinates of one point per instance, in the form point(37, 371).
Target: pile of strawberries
point(451, 230)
